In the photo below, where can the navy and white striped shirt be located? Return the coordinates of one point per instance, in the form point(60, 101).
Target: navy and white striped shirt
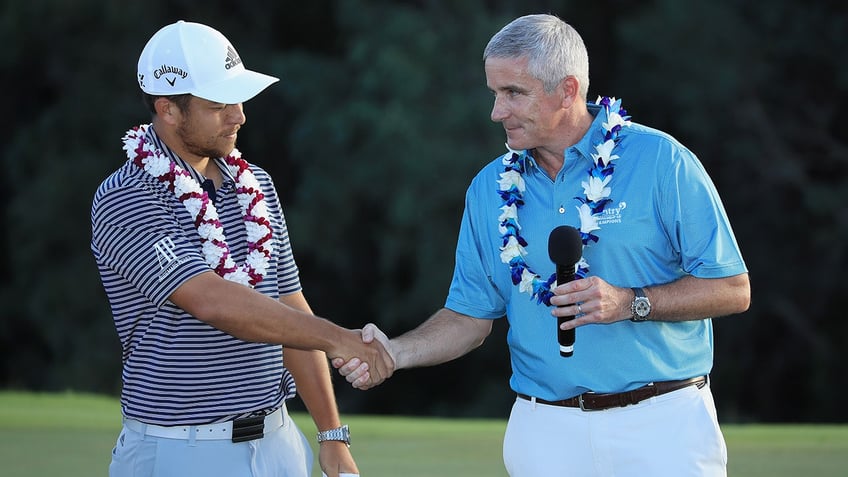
point(176, 368)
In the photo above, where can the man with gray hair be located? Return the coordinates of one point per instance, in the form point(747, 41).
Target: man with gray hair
point(656, 259)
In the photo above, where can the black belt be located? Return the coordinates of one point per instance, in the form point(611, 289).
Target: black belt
point(599, 401)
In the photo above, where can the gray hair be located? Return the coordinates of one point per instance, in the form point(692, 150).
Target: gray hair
point(553, 48)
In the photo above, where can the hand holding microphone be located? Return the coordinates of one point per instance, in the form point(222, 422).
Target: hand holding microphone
point(565, 247)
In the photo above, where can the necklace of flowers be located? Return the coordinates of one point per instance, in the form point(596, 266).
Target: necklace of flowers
point(216, 252)
point(596, 196)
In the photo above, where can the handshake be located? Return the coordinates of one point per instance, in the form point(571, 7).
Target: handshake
point(367, 369)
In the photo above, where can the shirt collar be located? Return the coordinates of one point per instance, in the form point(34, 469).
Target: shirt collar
point(594, 136)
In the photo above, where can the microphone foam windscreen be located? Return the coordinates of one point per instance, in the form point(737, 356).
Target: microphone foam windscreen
point(565, 246)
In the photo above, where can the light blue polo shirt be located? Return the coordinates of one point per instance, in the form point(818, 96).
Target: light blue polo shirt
point(666, 221)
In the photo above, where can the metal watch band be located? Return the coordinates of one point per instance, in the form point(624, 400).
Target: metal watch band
point(338, 434)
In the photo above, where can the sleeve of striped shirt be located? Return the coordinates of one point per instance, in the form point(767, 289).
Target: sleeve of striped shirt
point(136, 236)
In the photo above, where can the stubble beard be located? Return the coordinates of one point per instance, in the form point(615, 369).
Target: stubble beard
point(195, 147)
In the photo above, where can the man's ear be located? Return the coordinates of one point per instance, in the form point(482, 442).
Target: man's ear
point(167, 110)
point(569, 88)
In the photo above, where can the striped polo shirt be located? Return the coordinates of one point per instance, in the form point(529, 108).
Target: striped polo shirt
point(177, 369)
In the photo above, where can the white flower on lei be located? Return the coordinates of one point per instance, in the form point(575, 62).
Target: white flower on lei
point(588, 222)
point(258, 261)
point(613, 117)
point(605, 152)
point(239, 275)
point(130, 145)
point(255, 231)
point(184, 184)
point(209, 231)
point(509, 212)
point(527, 279)
point(596, 189)
point(157, 164)
point(193, 205)
point(511, 178)
point(511, 250)
point(259, 210)
point(211, 252)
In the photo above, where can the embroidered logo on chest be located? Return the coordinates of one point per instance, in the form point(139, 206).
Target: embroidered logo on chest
point(612, 215)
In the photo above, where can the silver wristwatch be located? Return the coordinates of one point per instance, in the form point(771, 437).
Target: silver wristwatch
point(338, 434)
point(640, 307)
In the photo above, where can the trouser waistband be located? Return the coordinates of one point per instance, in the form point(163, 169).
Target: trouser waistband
point(599, 401)
point(238, 430)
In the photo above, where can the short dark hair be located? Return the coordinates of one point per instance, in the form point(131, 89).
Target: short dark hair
point(181, 100)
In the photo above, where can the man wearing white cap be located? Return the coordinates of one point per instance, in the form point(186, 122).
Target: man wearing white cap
point(193, 251)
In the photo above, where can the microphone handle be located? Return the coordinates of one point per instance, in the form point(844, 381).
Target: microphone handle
point(565, 337)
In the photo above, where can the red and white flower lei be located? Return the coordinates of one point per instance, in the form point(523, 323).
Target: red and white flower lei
point(216, 252)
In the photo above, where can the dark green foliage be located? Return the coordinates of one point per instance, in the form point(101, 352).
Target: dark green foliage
point(380, 121)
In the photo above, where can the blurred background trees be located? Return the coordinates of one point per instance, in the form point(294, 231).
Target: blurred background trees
point(379, 123)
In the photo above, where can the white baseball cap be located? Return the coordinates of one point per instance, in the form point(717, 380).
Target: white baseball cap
point(192, 58)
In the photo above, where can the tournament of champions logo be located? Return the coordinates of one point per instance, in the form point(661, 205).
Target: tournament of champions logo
point(612, 215)
point(168, 260)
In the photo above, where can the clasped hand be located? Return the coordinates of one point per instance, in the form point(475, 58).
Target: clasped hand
point(361, 372)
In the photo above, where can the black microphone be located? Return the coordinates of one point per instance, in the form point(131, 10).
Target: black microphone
point(565, 247)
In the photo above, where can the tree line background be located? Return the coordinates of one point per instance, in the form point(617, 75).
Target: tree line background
point(380, 121)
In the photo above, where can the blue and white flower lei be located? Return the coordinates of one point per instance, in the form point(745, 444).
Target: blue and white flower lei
point(596, 197)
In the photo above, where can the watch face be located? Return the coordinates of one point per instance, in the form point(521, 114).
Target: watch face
point(642, 307)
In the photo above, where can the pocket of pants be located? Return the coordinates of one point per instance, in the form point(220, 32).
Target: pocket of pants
point(132, 456)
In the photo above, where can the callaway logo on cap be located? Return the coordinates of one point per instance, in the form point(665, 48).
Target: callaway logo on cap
point(191, 58)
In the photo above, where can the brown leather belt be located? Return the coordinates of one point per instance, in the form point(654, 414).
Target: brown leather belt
point(599, 401)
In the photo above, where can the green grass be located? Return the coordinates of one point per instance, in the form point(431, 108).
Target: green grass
point(72, 435)
point(787, 450)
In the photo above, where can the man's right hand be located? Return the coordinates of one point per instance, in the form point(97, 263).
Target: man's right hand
point(359, 372)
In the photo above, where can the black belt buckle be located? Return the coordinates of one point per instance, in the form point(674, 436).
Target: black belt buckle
point(248, 428)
